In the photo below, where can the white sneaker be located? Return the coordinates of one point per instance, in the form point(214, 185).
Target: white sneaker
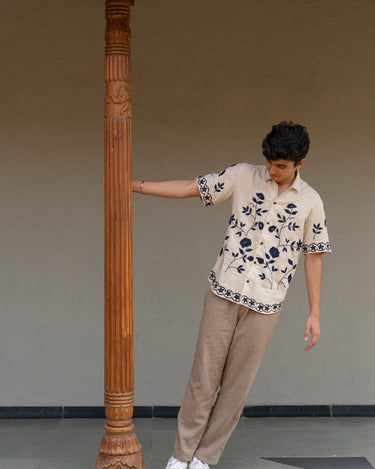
point(196, 464)
point(174, 463)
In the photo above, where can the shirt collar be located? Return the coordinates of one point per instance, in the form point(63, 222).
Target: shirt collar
point(297, 183)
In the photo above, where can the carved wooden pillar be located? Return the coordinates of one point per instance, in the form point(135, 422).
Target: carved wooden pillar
point(119, 448)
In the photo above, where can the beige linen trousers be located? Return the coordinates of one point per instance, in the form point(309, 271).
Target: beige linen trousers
point(231, 343)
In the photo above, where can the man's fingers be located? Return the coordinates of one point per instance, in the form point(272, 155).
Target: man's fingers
point(311, 345)
point(314, 340)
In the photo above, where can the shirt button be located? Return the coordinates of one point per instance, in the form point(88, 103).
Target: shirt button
point(274, 203)
point(261, 243)
point(247, 281)
point(255, 262)
point(268, 223)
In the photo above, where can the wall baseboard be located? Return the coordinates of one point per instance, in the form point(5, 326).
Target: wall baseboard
point(329, 410)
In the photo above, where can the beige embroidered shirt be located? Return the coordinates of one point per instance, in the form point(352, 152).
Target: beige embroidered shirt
point(266, 234)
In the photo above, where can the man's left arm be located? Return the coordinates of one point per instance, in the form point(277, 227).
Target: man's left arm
point(313, 272)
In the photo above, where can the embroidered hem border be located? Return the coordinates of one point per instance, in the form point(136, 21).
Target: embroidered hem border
point(205, 191)
point(243, 299)
point(316, 247)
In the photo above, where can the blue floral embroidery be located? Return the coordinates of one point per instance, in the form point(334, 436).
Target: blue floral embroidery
point(219, 187)
point(316, 247)
point(286, 222)
point(205, 191)
point(245, 242)
point(243, 299)
point(254, 211)
point(268, 264)
point(274, 252)
point(288, 273)
point(224, 248)
point(317, 229)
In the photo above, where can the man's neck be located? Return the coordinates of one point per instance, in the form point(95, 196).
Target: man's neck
point(282, 187)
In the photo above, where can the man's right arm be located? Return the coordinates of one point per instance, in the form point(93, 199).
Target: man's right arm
point(177, 188)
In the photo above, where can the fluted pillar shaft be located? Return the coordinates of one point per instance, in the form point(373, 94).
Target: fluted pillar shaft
point(119, 448)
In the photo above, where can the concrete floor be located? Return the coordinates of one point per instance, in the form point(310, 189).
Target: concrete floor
point(72, 443)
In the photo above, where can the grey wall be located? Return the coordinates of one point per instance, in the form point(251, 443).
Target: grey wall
point(210, 78)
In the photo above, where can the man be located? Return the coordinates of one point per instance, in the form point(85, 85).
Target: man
point(275, 217)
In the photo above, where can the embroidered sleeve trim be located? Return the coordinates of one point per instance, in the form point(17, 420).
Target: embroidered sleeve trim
point(316, 247)
point(205, 191)
point(243, 299)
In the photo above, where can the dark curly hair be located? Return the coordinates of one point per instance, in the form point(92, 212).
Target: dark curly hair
point(287, 141)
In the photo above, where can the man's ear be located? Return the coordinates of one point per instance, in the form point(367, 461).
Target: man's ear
point(301, 163)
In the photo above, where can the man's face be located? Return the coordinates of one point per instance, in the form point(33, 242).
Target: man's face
point(283, 171)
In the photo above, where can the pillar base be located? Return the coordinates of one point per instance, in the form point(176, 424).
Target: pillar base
point(119, 451)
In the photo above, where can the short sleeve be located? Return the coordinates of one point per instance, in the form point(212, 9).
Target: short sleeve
point(315, 238)
point(216, 187)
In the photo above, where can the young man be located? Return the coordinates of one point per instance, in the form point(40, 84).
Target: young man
point(275, 217)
